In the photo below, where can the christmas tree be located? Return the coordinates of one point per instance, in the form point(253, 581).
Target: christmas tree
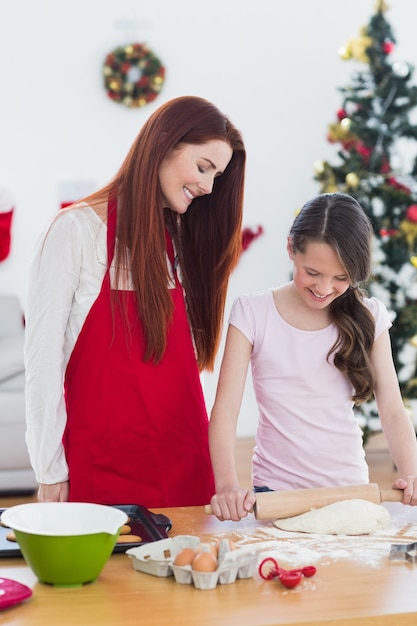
point(375, 136)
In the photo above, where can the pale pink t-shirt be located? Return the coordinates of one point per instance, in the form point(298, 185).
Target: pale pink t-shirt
point(307, 434)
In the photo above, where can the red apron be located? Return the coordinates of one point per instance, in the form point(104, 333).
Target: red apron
point(137, 433)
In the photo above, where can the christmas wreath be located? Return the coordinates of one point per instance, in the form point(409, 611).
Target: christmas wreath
point(133, 75)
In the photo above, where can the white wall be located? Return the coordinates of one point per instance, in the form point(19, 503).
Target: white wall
point(272, 65)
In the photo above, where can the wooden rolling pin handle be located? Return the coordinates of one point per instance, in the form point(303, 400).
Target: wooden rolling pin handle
point(391, 495)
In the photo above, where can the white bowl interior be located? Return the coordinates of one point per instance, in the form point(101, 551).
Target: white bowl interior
point(64, 518)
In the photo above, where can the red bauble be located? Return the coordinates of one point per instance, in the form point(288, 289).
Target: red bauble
point(411, 213)
point(384, 232)
point(388, 46)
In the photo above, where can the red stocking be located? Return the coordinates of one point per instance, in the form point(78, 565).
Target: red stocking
point(5, 233)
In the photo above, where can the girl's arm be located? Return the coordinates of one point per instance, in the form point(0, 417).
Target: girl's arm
point(230, 501)
point(395, 421)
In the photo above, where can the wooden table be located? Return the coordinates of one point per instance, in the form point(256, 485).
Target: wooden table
point(342, 593)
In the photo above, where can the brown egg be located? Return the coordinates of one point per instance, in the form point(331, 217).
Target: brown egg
point(184, 557)
point(204, 562)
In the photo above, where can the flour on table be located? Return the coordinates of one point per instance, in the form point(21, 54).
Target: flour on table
point(347, 517)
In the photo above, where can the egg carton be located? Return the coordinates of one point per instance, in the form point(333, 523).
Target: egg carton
point(157, 559)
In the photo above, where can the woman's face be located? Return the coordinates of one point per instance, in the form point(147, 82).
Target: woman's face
point(189, 171)
point(318, 274)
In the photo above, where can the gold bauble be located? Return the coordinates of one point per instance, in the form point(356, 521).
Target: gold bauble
point(358, 46)
point(339, 131)
point(413, 341)
point(352, 179)
point(115, 85)
point(319, 167)
point(413, 261)
point(409, 231)
point(345, 53)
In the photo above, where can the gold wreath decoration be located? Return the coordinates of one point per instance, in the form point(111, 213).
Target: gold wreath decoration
point(133, 75)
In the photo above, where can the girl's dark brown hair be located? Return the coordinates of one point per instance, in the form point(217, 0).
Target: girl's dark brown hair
point(338, 220)
point(207, 236)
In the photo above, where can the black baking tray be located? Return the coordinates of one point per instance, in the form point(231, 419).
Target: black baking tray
point(143, 522)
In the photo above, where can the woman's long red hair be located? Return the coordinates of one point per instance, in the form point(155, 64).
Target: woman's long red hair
point(207, 236)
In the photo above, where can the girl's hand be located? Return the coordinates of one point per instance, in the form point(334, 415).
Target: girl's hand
point(232, 504)
point(57, 492)
point(409, 485)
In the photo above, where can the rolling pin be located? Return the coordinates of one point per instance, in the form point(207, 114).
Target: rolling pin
point(281, 504)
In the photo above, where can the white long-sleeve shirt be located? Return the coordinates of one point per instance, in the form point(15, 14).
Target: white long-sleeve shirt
point(65, 280)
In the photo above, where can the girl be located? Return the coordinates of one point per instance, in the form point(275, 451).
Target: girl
point(317, 345)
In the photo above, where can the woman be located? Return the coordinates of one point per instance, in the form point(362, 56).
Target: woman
point(317, 346)
point(125, 305)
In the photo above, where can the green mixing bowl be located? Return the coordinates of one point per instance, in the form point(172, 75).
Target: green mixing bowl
point(66, 544)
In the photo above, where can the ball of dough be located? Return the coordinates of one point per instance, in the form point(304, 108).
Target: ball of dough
point(347, 517)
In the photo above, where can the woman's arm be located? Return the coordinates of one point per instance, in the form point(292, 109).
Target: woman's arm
point(395, 421)
point(230, 501)
point(53, 280)
point(58, 492)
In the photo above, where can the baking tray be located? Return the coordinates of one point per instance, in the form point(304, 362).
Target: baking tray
point(148, 525)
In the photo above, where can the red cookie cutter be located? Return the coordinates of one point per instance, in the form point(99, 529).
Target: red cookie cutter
point(269, 569)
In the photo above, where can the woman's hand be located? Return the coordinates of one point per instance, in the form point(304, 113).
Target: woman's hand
point(409, 486)
point(232, 504)
point(57, 492)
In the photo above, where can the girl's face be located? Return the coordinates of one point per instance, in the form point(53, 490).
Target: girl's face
point(318, 274)
point(190, 171)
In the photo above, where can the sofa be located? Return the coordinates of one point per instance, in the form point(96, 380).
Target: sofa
point(16, 474)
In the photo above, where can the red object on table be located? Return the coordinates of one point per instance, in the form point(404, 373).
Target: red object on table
point(12, 592)
point(289, 578)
